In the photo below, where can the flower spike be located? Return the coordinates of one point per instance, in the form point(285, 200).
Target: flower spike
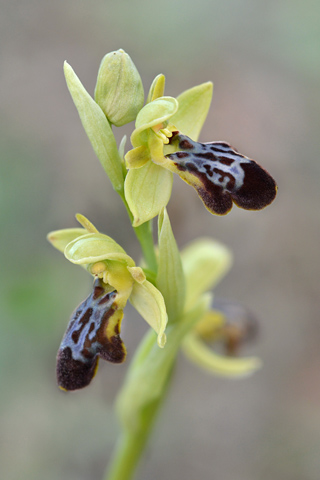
point(93, 332)
point(221, 175)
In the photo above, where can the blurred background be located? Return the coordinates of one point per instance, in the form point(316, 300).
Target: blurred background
point(264, 60)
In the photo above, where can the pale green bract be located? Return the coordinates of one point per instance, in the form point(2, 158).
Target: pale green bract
point(170, 278)
point(97, 128)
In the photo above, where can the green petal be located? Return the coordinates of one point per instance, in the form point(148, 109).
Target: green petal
point(60, 238)
point(193, 109)
point(149, 302)
point(204, 262)
point(96, 247)
point(170, 278)
point(147, 191)
point(157, 88)
point(86, 223)
point(154, 113)
point(204, 357)
point(97, 128)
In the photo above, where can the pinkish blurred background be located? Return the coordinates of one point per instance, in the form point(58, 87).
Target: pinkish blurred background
point(264, 60)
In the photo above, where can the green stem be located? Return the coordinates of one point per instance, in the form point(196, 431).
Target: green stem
point(131, 445)
point(145, 238)
point(151, 367)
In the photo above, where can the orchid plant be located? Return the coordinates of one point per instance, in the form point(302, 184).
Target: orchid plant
point(171, 290)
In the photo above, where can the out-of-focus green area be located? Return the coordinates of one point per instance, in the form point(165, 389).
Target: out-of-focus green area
point(264, 60)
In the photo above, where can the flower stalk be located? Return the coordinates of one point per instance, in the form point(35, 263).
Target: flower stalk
point(144, 236)
point(130, 445)
point(171, 288)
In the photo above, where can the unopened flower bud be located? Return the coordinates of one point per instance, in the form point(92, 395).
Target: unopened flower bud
point(119, 89)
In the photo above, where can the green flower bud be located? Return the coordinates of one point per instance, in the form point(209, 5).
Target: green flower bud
point(119, 89)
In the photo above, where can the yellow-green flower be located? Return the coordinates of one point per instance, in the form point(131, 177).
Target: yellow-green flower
point(148, 185)
point(94, 328)
point(205, 262)
point(164, 141)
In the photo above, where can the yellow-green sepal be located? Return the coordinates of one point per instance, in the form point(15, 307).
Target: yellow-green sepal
point(149, 302)
point(200, 354)
point(204, 262)
point(96, 247)
point(147, 190)
point(59, 239)
point(97, 128)
point(170, 278)
point(152, 114)
point(193, 109)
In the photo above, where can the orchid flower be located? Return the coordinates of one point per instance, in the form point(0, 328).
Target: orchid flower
point(94, 327)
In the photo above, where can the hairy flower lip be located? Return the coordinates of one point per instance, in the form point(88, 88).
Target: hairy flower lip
point(221, 175)
point(93, 332)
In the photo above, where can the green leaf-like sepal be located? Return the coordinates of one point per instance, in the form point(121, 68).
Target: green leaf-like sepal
point(193, 109)
point(60, 238)
point(97, 128)
point(200, 354)
point(147, 191)
point(96, 247)
point(149, 302)
point(170, 277)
